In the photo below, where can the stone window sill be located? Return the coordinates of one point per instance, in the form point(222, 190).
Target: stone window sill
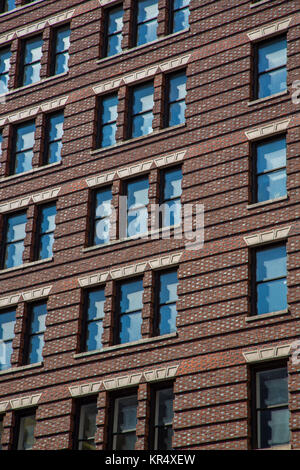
point(43, 80)
point(137, 139)
point(29, 172)
point(262, 2)
point(143, 46)
point(143, 236)
point(279, 447)
point(21, 368)
point(265, 203)
point(264, 316)
point(126, 345)
point(267, 98)
point(26, 265)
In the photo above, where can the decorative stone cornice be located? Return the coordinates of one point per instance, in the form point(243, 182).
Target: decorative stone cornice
point(27, 296)
point(28, 113)
point(122, 382)
point(35, 27)
point(130, 270)
point(163, 373)
point(267, 354)
point(25, 402)
point(3, 406)
point(267, 129)
point(25, 201)
point(141, 74)
point(137, 168)
point(268, 236)
point(269, 29)
point(85, 389)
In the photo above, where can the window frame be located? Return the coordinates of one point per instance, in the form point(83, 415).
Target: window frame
point(161, 192)
point(172, 11)
point(269, 365)
point(47, 141)
point(257, 74)
point(125, 184)
point(14, 152)
point(93, 219)
point(18, 431)
point(167, 100)
point(39, 234)
point(8, 310)
point(106, 35)
point(136, 24)
point(28, 335)
point(22, 65)
point(4, 49)
point(89, 400)
point(130, 113)
point(153, 410)
point(4, 243)
point(84, 316)
point(54, 54)
point(157, 305)
point(100, 124)
point(113, 396)
point(254, 282)
point(3, 5)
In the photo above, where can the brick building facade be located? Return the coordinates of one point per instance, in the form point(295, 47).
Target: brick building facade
point(226, 369)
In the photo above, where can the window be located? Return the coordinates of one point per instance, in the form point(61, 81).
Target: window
point(5, 55)
point(170, 197)
point(271, 63)
point(1, 430)
point(32, 54)
point(1, 140)
point(45, 233)
point(61, 50)
point(23, 144)
point(270, 169)
point(14, 240)
point(146, 21)
point(176, 87)
point(54, 134)
point(102, 214)
point(142, 102)
point(113, 33)
point(130, 303)
point(271, 282)
point(87, 426)
point(166, 311)
point(108, 120)
point(94, 314)
point(137, 201)
point(35, 334)
point(179, 15)
point(271, 413)
point(25, 431)
point(7, 5)
point(7, 325)
point(161, 431)
point(123, 424)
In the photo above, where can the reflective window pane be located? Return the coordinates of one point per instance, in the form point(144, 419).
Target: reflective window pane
point(95, 315)
point(181, 20)
point(23, 147)
point(124, 423)
point(271, 263)
point(168, 283)
point(5, 55)
point(163, 419)
point(62, 45)
point(26, 432)
point(271, 185)
point(137, 201)
point(271, 155)
point(7, 324)
point(142, 110)
point(108, 120)
point(54, 137)
point(102, 221)
point(36, 333)
point(147, 13)
point(114, 31)
point(176, 99)
point(8, 5)
point(272, 82)
point(46, 231)
point(87, 426)
point(272, 296)
point(272, 73)
point(14, 242)
point(32, 60)
point(131, 304)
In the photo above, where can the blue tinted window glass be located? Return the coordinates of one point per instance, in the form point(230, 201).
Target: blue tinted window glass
point(32, 60)
point(103, 211)
point(137, 201)
point(95, 315)
point(14, 244)
point(5, 56)
point(9, 5)
point(147, 21)
point(62, 50)
point(272, 82)
point(271, 263)
point(272, 74)
point(176, 99)
point(109, 114)
point(171, 203)
point(63, 39)
point(114, 31)
point(271, 185)
point(7, 324)
point(125, 421)
point(46, 231)
point(55, 134)
point(271, 296)
point(142, 110)
point(181, 14)
point(172, 184)
point(61, 65)
point(131, 304)
point(180, 4)
point(270, 156)
point(24, 142)
point(36, 335)
point(167, 299)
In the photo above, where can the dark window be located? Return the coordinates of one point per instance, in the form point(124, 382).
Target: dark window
point(61, 50)
point(87, 426)
point(146, 21)
point(55, 123)
point(102, 216)
point(271, 282)
point(129, 320)
point(7, 325)
point(166, 311)
point(161, 431)
point(176, 87)
point(142, 102)
point(108, 120)
point(45, 233)
point(271, 67)
point(5, 55)
point(23, 147)
point(25, 431)
point(1, 140)
point(271, 407)
point(123, 423)
point(94, 314)
point(114, 26)
point(35, 334)
point(137, 201)
point(170, 202)
point(7, 5)
point(14, 240)
point(32, 54)
point(270, 169)
point(180, 13)
point(1, 431)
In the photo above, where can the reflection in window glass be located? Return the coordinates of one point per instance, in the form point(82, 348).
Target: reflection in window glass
point(7, 325)
point(271, 282)
point(7, 5)
point(37, 327)
point(171, 193)
point(146, 28)
point(142, 110)
point(272, 414)
point(272, 73)
point(271, 169)
point(124, 423)
point(176, 99)
point(102, 216)
point(95, 300)
point(14, 240)
point(108, 120)
point(5, 55)
point(31, 60)
point(62, 45)
point(130, 311)
point(54, 137)
point(137, 201)
point(23, 147)
point(180, 15)
point(114, 25)
point(46, 231)
point(26, 432)
point(167, 310)
point(163, 431)
point(87, 426)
